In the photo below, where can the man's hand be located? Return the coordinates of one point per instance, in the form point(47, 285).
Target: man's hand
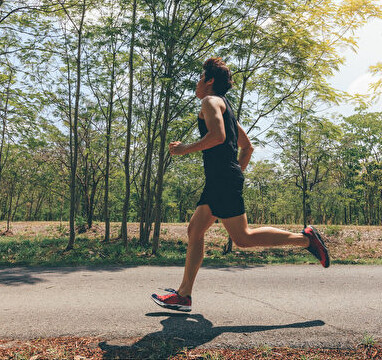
point(212, 109)
point(177, 148)
point(246, 148)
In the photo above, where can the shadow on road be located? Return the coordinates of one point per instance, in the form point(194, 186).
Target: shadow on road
point(11, 278)
point(30, 275)
point(183, 331)
point(16, 276)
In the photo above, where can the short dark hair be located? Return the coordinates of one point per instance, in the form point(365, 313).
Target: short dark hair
point(217, 69)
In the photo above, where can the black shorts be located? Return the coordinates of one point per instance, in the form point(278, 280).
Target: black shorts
point(224, 197)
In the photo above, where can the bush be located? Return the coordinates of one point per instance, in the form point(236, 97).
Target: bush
point(333, 230)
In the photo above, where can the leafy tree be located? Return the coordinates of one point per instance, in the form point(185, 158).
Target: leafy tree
point(283, 44)
point(129, 124)
point(78, 25)
point(91, 94)
point(376, 70)
point(362, 142)
point(184, 185)
point(105, 64)
point(307, 149)
point(182, 33)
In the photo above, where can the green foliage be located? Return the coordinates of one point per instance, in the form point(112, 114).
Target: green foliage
point(212, 355)
point(331, 230)
point(281, 54)
point(23, 251)
point(368, 340)
point(266, 350)
point(349, 240)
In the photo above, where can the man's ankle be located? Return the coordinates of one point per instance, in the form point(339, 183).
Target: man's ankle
point(183, 293)
point(306, 240)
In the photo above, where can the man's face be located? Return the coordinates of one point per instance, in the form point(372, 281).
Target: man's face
point(202, 87)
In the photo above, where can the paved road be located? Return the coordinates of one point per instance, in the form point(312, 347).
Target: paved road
point(274, 305)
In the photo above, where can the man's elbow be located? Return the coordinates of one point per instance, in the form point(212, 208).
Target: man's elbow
point(248, 149)
point(219, 139)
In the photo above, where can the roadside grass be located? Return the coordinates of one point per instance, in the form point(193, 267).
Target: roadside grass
point(368, 340)
point(93, 252)
point(43, 244)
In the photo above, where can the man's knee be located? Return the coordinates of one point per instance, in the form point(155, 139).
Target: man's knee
point(194, 232)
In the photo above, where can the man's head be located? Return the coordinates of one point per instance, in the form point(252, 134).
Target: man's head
point(216, 76)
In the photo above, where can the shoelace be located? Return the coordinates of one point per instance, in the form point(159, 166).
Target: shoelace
point(171, 290)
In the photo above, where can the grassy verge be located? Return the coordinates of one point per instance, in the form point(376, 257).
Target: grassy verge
point(19, 251)
point(43, 244)
point(88, 252)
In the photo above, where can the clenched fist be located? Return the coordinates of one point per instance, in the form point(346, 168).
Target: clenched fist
point(177, 148)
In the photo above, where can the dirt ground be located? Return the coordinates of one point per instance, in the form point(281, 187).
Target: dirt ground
point(95, 348)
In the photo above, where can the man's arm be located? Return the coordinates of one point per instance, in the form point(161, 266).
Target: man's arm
point(246, 148)
point(212, 113)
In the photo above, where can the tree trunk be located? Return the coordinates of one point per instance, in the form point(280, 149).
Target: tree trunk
point(91, 205)
point(163, 133)
point(243, 88)
point(304, 212)
point(39, 203)
point(147, 210)
point(128, 135)
point(345, 215)
point(85, 185)
point(2, 144)
point(3, 130)
point(10, 207)
point(16, 206)
point(31, 202)
point(146, 175)
point(74, 131)
point(159, 182)
point(108, 139)
point(106, 194)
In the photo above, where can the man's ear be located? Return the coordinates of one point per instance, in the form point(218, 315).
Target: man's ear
point(210, 81)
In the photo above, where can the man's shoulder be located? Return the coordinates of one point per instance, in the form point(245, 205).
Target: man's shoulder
point(213, 101)
point(212, 98)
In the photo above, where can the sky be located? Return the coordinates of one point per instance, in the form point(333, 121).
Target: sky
point(353, 76)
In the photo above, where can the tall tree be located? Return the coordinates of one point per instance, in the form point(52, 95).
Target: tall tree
point(73, 119)
point(129, 126)
point(307, 145)
point(186, 32)
point(283, 44)
point(362, 143)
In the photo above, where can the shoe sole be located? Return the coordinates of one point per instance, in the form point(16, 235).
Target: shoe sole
point(326, 252)
point(183, 308)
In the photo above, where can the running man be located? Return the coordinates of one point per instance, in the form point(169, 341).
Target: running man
point(221, 136)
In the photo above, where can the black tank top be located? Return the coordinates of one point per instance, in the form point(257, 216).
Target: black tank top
point(221, 161)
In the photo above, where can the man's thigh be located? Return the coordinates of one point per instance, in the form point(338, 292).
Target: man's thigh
point(237, 228)
point(201, 220)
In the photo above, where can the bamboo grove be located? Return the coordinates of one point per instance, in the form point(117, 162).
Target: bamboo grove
point(91, 93)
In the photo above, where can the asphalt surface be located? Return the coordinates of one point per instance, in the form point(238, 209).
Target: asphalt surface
point(240, 307)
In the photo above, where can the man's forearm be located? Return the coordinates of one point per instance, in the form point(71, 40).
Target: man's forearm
point(207, 142)
point(245, 157)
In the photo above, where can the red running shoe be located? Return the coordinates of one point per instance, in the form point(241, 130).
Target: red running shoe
point(173, 301)
point(317, 246)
